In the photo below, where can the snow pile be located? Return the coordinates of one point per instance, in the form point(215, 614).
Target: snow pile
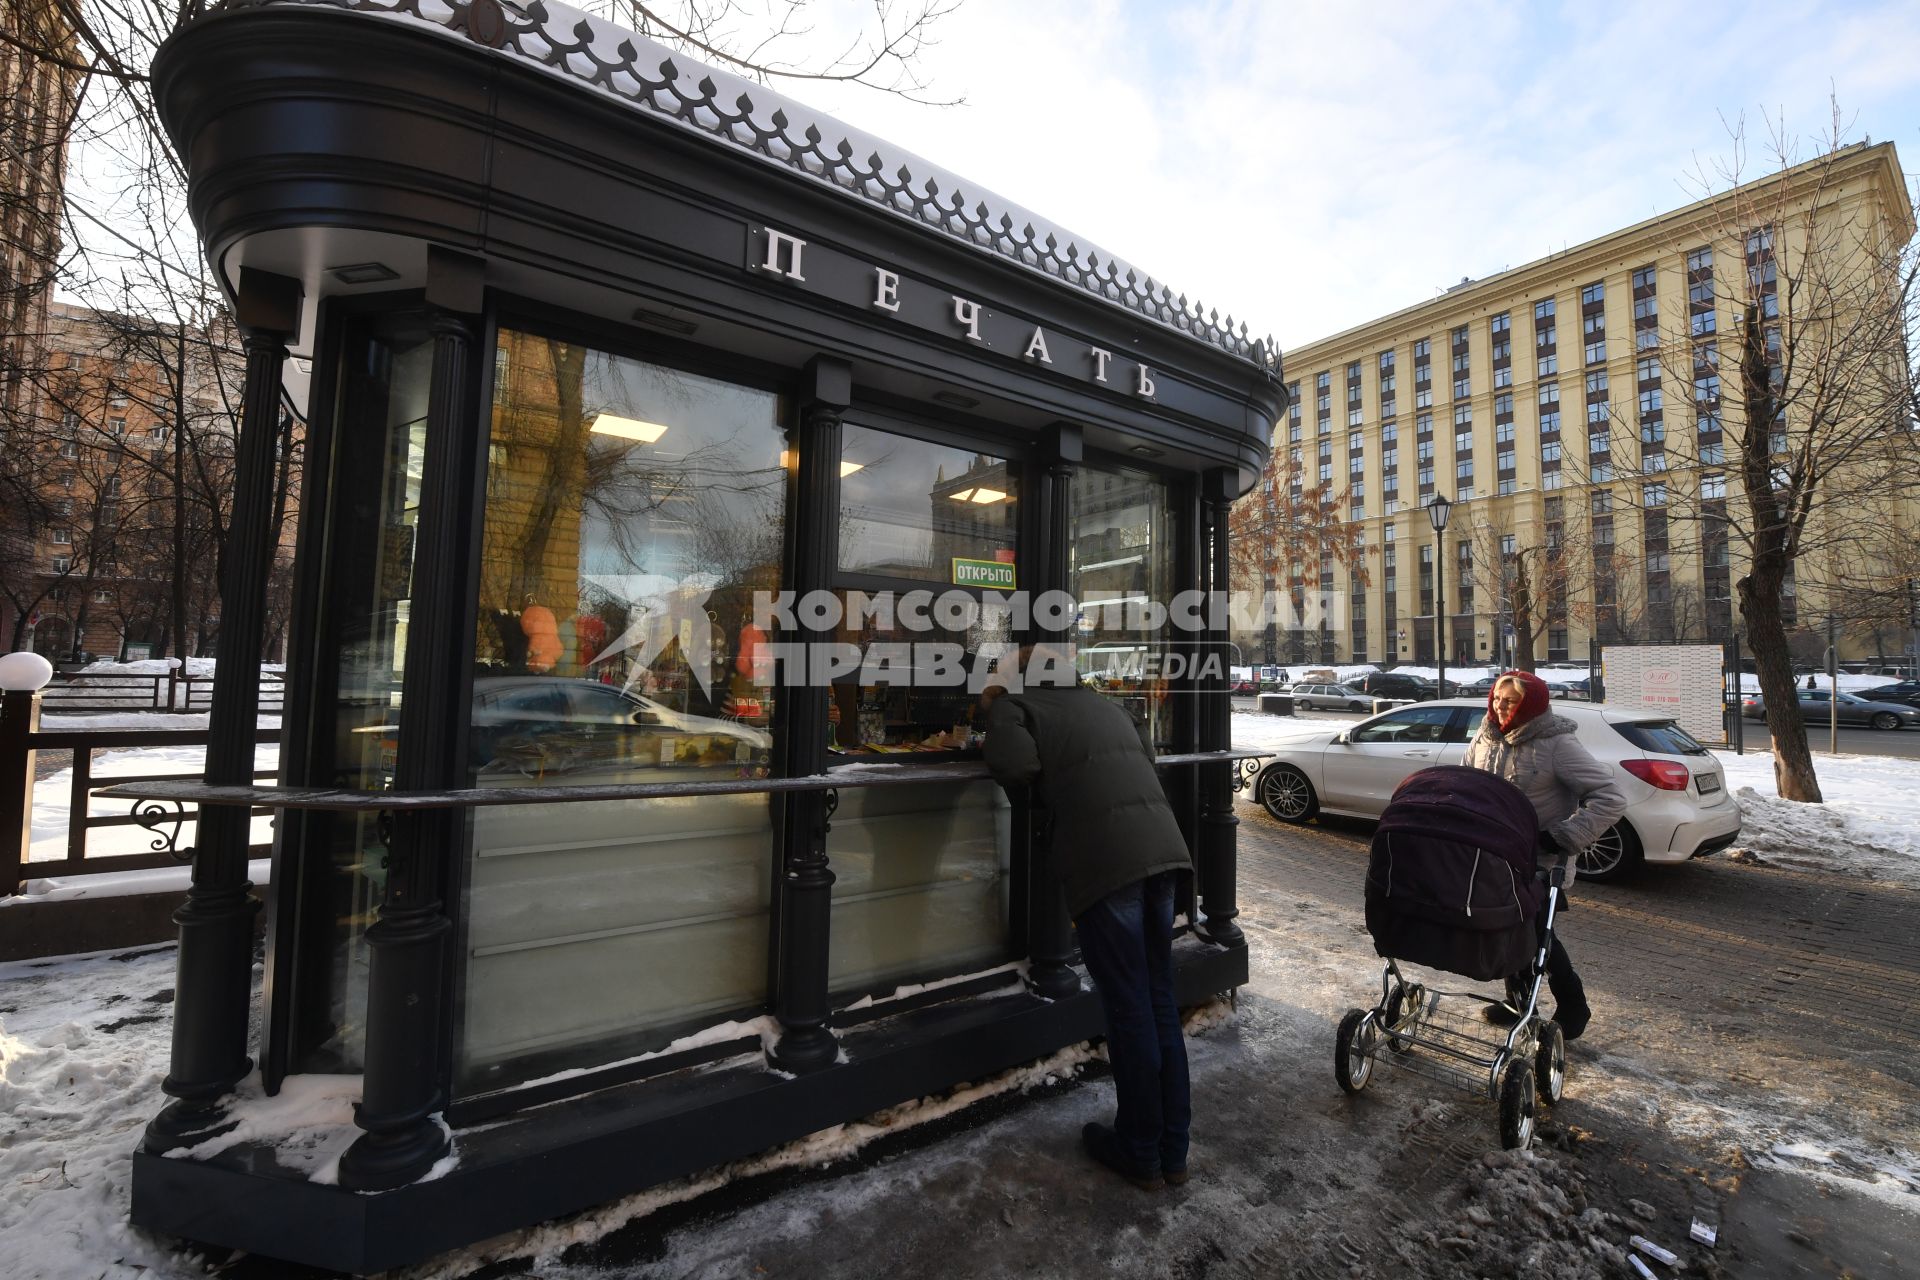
point(1523, 1213)
point(1257, 731)
point(83, 1046)
point(1870, 823)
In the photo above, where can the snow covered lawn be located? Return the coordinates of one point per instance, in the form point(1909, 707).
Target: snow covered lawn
point(1869, 824)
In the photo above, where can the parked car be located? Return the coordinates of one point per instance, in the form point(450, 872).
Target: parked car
point(540, 725)
point(1905, 692)
point(1329, 697)
point(1396, 684)
point(1678, 806)
point(1815, 706)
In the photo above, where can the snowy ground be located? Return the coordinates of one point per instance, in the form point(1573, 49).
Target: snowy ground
point(1869, 823)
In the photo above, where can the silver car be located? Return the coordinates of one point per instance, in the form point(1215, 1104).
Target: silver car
point(1330, 697)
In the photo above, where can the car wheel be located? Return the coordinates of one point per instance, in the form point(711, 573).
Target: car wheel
point(1614, 856)
point(1356, 705)
point(1287, 795)
point(1885, 720)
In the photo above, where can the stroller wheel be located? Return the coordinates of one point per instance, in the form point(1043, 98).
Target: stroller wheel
point(1353, 1048)
point(1517, 1107)
point(1550, 1063)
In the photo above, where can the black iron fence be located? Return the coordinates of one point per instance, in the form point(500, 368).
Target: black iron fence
point(76, 692)
point(23, 737)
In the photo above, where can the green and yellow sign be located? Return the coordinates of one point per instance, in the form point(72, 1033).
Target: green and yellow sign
point(995, 575)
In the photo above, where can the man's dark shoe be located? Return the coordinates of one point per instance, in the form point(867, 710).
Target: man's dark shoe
point(1104, 1147)
point(1175, 1177)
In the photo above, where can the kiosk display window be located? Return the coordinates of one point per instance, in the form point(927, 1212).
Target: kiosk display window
point(632, 513)
point(1120, 561)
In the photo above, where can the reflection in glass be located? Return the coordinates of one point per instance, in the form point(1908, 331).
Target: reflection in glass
point(1120, 557)
point(909, 509)
point(632, 513)
point(380, 436)
point(920, 883)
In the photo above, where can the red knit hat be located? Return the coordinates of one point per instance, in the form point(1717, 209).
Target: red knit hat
point(1535, 701)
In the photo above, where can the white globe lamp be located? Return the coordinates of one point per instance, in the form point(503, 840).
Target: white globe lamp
point(24, 672)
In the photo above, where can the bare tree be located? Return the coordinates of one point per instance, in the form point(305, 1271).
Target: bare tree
point(1795, 368)
point(1284, 540)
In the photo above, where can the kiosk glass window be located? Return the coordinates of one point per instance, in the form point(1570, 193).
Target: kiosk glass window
point(380, 445)
point(921, 872)
point(632, 514)
point(922, 511)
point(1120, 562)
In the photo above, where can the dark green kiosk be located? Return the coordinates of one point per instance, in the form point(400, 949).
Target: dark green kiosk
point(676, 460)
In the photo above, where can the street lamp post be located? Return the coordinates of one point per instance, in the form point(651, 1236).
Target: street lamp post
point(1437, 511)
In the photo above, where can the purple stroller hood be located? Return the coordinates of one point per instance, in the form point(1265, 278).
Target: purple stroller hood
point(1467, 806)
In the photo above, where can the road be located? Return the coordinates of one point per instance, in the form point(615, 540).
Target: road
point(1904, 743)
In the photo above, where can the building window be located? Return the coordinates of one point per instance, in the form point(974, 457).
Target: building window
point(1326, 473)
point(61, 537)
point(1601, 472)
point(1653, 432)
point(1702, 324)
point(1714, 454)
point(1713, 485)
point(1423, 451)
point(1355, 417)
point(1700, 259)
point(1500, 323)
point(1322, 380)
point(1463, 442)
point(1547, 366)
point(63, 564)
point(1596, 353)
point(1502, 377)
point(1598, 412)
point(1551, 480)
point(1593, 293)
point(1643, 278)
point(1549, 395)
point(1650, 401)
point(1463, 415)
point(1463, 470)
point(1503, 432)
point(1550, 451)
point(1654, 495)
point(1423, 398)
point(1423, 348)
point(1645, 308)
point(1543, 310)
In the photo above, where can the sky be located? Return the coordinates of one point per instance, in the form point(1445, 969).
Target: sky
point(1306, 167)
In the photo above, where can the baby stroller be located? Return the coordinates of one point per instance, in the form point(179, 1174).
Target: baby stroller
point(1451, 884)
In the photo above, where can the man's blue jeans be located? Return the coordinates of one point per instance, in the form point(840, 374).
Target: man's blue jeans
point(1126, 939)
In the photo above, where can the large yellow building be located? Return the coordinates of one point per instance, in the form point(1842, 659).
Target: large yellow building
point(1571, 410)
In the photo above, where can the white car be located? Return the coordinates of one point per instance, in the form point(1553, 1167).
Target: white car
point(1677, 801)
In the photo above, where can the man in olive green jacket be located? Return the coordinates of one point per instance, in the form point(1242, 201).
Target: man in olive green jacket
point(1116, 851)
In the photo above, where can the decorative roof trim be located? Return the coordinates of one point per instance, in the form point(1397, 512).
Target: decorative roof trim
point(565, 41)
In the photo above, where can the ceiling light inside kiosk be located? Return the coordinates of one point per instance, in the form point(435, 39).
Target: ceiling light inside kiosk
point(609, 424)
point(987, 495)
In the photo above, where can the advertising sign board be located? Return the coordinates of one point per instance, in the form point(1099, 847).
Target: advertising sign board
point(1682, 681)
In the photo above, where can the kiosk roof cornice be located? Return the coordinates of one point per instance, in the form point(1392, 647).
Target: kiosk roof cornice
point(649, 77)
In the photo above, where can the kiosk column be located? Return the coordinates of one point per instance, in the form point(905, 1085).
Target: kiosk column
point(213, 976)
point(1218, 852)
point(1050, 931)
point(806, 880)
